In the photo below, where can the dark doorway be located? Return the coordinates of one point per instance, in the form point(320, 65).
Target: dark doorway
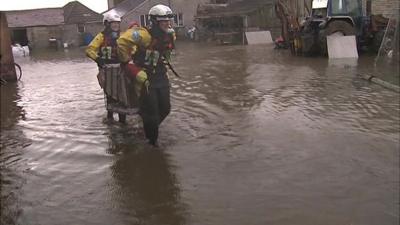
point(19, 36)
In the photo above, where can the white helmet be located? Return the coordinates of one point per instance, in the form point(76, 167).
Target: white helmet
point(111, 17)
point(160, 12)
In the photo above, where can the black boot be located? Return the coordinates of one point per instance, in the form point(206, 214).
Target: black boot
point(153, 142)
point(122, 118)
point(110, 115)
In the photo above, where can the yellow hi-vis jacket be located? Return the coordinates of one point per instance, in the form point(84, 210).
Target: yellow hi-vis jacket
point(103, 47)
point(134, 38)
point(139, 40)
point(93, 48)
point(137, 36)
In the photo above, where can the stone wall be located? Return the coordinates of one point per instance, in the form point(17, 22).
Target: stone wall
point(39, 36)
point(143, 9)
point(188, 8)
point(74, 38)
point(265, 19)
point(385, 7)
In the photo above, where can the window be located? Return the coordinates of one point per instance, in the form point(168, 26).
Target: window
point(81, 28)
point(144, 20)
point(354, 8)
point(178, 20)
point(346, 7)
point(338, 7)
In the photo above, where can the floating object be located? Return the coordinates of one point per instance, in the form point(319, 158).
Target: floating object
point(20, 51)
point(342, 46)
point(259, 37)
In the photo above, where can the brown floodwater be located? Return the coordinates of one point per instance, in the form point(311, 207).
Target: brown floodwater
point(255, 136)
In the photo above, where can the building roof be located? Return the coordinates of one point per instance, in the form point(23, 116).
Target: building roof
point(236, 8)
point(125, 7)
point(76, 12)
point(72, 13)
point(35, 17)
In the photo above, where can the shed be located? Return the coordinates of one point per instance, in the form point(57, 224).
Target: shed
point(46, 27)
point(228, 22)
point(35, 27)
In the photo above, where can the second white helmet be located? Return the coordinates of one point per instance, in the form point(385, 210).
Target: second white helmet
point(161, 12)
point(111, 17)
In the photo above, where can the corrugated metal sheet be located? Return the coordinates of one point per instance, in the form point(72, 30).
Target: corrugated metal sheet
point(35, 17)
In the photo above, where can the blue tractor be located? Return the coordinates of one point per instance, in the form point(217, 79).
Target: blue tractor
point(334, 17)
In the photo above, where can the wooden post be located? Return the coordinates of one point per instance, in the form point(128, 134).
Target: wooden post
point(7, 68)
point(369, 8)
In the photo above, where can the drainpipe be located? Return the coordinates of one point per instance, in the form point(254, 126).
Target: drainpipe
point(245, 26)
point(7, 67)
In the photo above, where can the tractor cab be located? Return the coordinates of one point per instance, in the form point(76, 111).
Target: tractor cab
point(328, 17)
point(325, 11)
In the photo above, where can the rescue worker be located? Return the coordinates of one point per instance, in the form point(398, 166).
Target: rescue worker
point(103, 50)
point(154, 45)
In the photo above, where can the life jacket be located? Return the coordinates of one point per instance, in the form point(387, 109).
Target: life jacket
point(109, 49)
point(151, 58)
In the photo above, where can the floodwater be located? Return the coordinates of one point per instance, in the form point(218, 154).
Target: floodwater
point(255, 136)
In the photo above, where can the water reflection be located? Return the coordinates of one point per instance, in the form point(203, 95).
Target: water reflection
point(12, 143)
point(146, 189)
point(57, 55)
point(254, 135)
point(10, 111)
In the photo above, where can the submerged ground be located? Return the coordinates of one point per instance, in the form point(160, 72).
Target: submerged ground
point(255, 136)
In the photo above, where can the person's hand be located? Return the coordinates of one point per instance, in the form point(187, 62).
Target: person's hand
point(143, 81)
point(100, 62)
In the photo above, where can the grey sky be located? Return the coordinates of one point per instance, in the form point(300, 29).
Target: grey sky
point(96, 5)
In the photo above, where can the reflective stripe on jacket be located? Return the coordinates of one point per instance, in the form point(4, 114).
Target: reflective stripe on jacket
point(150, 52)
point(104, 47)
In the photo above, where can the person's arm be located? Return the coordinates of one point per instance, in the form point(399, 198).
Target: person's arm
point(93, 48)
point(130, 38)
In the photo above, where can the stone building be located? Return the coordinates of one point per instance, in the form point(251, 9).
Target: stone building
point(51, 27)
point(80, 24)
point(35, 27)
